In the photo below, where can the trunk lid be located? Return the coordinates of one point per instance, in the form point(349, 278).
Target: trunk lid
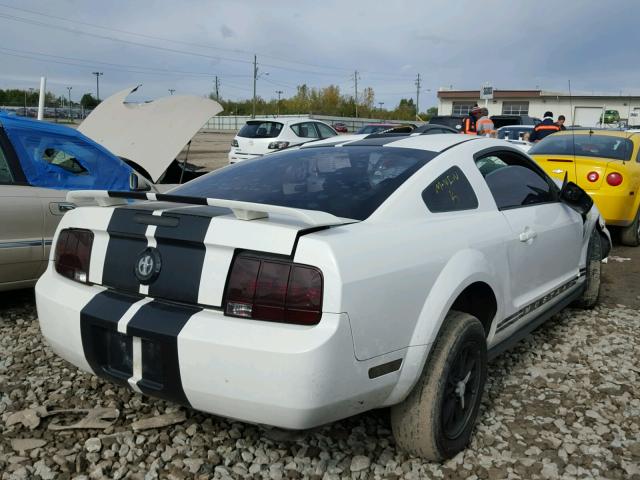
point(557, 166)
point(194, 246)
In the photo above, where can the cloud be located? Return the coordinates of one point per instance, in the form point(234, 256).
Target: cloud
point(227, 32)
point(463, 43)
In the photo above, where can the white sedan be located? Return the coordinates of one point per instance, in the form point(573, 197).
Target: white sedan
point(261, 136)
point(324, 281)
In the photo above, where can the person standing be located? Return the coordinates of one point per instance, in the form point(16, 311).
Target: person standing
point(484, 125)
point(469, 126)
point(560, 122)
point(544, 128)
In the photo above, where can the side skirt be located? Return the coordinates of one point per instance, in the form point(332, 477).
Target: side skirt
point(509, 342)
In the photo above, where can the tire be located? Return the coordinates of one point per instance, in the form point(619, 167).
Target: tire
point(630, 235)
point(425, 424)
point(589, 297)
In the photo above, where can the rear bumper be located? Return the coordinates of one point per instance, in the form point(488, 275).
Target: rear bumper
point(260, 372)
point(618, 210)
point(235, 157)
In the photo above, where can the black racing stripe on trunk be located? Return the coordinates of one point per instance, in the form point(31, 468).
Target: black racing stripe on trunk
point(123, 221)
point(181, 198)
point(179, 277)
point(101, 315)
point(192, 228)
point(120, 259)
point(158, 325)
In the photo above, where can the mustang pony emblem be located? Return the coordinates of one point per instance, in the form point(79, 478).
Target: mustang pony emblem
point(148, 265)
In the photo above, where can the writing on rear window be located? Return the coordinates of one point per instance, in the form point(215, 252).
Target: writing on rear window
point(450, 192)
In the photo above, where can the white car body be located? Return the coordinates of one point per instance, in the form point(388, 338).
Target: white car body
point(291, 132)
point(388, 283)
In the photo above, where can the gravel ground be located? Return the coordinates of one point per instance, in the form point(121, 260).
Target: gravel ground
point(565, 403)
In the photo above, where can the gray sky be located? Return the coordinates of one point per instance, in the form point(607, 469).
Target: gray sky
point(510, 44)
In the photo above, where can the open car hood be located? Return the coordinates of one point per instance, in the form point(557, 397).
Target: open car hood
point(149, 134)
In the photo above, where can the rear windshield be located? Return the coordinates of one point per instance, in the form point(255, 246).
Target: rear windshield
point(603, 146)
point(350, 182)
point(260, 129)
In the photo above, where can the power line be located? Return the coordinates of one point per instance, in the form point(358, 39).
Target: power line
point(75, 30)
point(123, 67)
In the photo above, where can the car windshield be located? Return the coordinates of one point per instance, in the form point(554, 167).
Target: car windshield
point(259, 129)
point(349, 182)
point(599, 146)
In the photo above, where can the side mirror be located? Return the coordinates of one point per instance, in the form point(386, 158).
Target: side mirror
point(133, 182)
point(576, 198)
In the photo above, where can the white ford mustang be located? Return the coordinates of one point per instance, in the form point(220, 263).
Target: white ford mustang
point(317, 283)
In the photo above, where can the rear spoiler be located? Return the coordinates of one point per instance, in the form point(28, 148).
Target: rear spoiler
point(241, 210)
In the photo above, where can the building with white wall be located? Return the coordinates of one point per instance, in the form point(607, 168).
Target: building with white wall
point(585, 109)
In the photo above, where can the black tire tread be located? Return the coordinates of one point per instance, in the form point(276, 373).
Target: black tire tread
point(416, 421)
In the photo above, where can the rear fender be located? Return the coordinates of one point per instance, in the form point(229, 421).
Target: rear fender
point(463, 269)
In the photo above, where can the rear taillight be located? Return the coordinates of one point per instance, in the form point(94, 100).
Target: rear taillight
point(593, 176)
point(278, 145)
point(234, 143)
point(73, 254)
point(274, 290)
point(614, 179)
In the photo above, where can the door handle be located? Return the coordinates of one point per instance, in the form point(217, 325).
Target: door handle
point(527, 235)
point(65, 207)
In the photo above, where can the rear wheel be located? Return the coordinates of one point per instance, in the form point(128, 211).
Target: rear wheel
point(589, 297)
point(436, 420)
point(631, 235)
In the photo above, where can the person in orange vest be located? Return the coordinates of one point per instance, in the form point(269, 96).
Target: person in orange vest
point(484, 125)
point(469, 126)
point(544, 128)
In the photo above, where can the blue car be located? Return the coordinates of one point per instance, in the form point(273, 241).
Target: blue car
point(39, 163)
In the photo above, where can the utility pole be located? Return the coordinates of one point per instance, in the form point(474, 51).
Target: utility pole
point(417, 97)
point(171, 90)
point(69, 90)
point(97, 74)
point(355, 79)
point(279, 92)
point(255, 77)
point(217, 85)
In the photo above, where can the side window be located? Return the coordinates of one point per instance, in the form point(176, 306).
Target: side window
point(450, 192)
point(325, 132)
point(514, 182)
point(5, 171)
point(305, 130)
point(52, 160)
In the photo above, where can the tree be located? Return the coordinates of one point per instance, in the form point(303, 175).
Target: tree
point(89, 101)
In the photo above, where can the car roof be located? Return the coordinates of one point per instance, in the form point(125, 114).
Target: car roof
point(596, 131)
point(14, 121)
point(433, 143)
point(286, 121)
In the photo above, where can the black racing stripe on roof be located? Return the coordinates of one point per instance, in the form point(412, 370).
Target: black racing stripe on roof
point(459, 143)
point(330, 144)
point(377, 140)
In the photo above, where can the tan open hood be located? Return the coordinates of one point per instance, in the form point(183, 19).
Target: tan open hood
point(150, 134)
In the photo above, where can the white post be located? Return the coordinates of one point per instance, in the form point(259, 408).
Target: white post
point(43, 90)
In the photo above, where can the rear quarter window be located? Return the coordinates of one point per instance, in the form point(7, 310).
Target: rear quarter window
point(450, 192)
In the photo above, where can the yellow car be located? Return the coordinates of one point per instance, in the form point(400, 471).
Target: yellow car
point(606, 164)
